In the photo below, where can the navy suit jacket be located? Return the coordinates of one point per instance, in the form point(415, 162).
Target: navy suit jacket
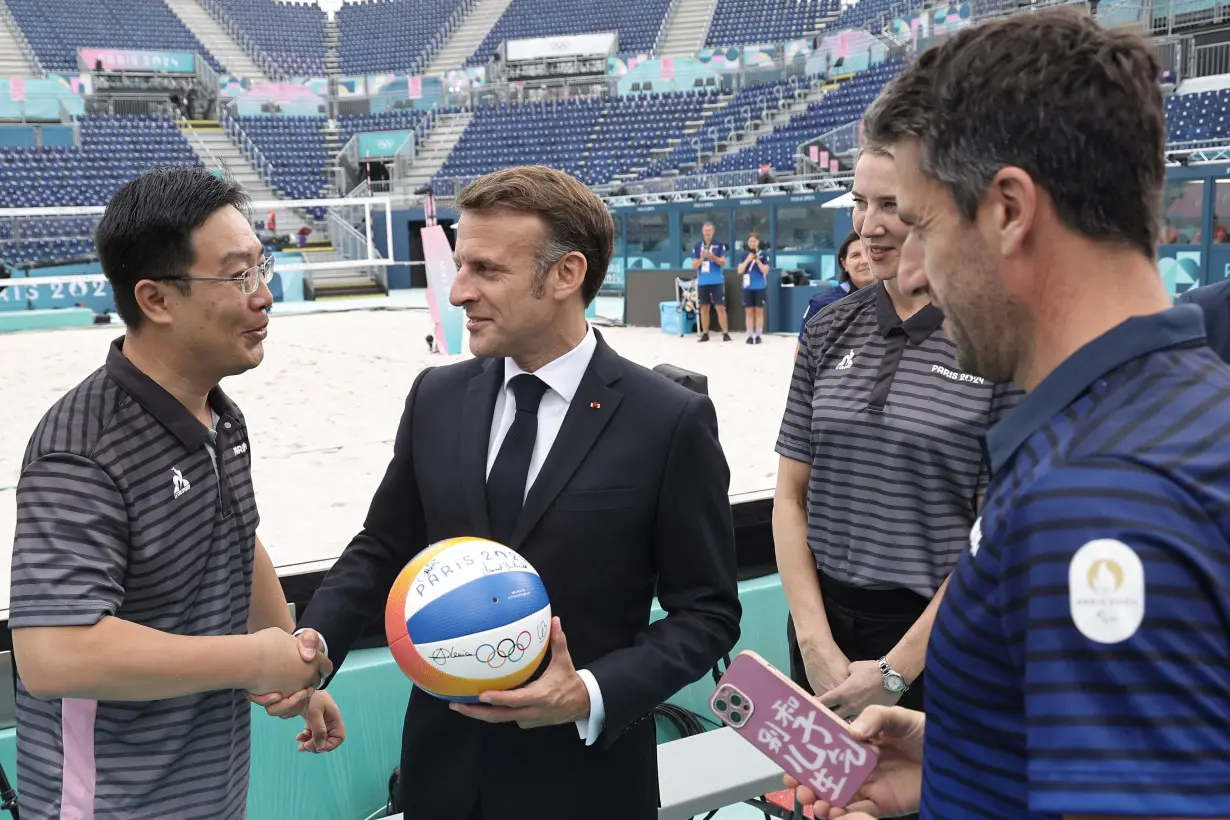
point(631, 501)
point(1214, 301)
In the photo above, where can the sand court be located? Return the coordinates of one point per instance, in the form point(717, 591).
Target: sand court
point(324, 406)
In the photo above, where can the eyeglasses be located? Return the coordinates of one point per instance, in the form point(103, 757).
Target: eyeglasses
point(250, 279)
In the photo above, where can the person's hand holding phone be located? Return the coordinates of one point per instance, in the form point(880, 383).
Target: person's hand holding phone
point(895, 787)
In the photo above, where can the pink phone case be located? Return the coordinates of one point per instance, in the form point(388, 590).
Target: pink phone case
point(796, 732)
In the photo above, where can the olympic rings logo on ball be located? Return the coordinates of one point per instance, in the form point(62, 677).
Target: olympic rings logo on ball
point(505, 651)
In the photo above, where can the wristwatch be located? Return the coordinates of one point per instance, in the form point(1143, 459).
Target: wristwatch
point(893, 681)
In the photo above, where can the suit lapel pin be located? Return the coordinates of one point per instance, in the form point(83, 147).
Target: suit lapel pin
point(593, 405)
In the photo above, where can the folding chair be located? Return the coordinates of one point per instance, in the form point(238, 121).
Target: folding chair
point(685, 296)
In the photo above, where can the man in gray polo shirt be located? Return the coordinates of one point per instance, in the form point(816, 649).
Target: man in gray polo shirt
point(143, 605)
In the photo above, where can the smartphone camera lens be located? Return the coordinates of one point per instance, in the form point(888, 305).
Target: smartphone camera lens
point(720, 705)
point(736, 717)
point(736, 701)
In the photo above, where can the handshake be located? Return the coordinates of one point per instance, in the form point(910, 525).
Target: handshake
point(285, 678)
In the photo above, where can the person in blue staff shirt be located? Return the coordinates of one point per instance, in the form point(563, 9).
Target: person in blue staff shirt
point(754, 268)
point(708, 260)
point(854, 272)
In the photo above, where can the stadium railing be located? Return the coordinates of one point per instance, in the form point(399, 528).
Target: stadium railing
point(842, 142)
point(24, 44)
point(263, 166)
point(1210, 150)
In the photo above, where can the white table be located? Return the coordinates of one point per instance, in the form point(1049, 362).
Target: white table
point(704, 772)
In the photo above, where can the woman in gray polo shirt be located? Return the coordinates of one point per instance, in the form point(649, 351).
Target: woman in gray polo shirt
point(880, 474)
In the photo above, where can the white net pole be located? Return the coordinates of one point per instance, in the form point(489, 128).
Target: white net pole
point(372, 259)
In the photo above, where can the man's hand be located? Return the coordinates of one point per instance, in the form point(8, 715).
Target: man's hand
point(287, 706)
point(895, 787)
point(559, 696)
point(826, 666)
point(863, 687)
point(323, 730)
point(284, 663)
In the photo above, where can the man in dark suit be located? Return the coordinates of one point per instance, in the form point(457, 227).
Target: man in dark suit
point(1214, 300)
point(607, 477)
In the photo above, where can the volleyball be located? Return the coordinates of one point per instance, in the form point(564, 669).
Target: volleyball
point(467, 616)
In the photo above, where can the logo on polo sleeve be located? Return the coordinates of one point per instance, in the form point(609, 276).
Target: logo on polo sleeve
point(1106, 591)
point(846, 361)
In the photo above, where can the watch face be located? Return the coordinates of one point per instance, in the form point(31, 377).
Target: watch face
point(894, 682)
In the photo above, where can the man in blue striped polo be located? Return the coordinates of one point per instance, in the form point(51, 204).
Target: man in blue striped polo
point(1080, 663)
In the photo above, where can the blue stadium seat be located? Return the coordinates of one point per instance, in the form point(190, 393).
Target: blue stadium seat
point(295, 147)
point(862, 13)
point(1200, 116)
point(755, 22)
point(638, 23)
point(551, 133)
point(837, 108)
point(746, 107)
point(632, 126)
point(113, 150)
point(290, 36)
point(57, 28)
point(409, 119)
point(381, 36)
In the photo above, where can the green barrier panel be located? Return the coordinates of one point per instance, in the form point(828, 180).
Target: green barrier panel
point(45, 319)
point(352, 782)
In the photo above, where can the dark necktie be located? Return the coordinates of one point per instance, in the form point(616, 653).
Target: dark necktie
point(506, 482)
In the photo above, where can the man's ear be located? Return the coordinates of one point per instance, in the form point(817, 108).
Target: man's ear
point(1011, 201)
point(570, 275)
point(155, 300)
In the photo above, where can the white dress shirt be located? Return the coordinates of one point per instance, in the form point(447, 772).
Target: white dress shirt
point(562, 377)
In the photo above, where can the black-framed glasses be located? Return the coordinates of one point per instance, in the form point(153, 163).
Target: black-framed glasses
point(249, 280)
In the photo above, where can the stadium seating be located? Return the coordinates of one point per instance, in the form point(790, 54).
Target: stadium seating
point(1201, 116)
point(553, 134)
point(290, 36)
point(755, 22)
point(862, 13)
point(746, 107)
point(295, 147)
point(637, 21)
point(113, 150)
point(632, 126)
point(57, 28)
point(381, 36)
point(402, 120)
point(837, 108)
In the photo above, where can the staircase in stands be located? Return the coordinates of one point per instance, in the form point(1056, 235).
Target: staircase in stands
point(16, 57)
point(431, 153)
point(468, 36)
point(691, 127)
point(332, 130)
point(772, 119)
point(216, 39)
point(218, 150)
point(686, 28)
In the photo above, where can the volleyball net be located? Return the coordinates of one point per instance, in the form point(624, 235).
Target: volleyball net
point(51, 261)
